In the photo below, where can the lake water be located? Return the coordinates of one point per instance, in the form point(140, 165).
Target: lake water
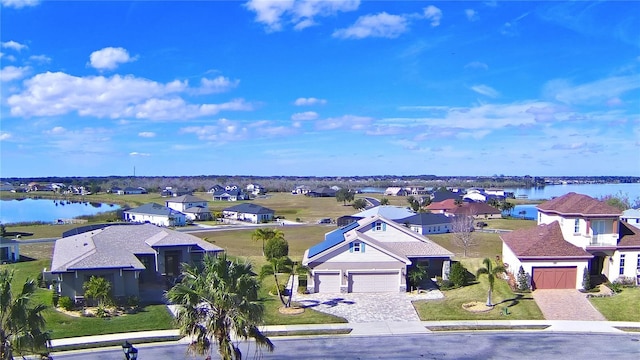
point(528, 212)
point(27, 210)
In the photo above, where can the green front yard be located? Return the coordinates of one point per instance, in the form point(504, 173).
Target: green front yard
point(624, 306)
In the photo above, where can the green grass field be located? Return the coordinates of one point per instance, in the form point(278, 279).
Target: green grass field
point(624, 306)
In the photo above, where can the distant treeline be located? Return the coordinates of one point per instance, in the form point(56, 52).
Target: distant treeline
point(287, 183)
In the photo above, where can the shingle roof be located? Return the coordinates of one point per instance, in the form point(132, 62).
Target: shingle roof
point(388, 211)
point(442, 205)
point(475, 208)
point(250, 209)
point(542, 241)
point(153, 209)
point(116, 247)
point(629, 235)
point(425, 219)
point(578, 204)
point(196, 210)
point(186, 199)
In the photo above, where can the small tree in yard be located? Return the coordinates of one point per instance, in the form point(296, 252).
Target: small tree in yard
point(491, 272)
point(522, 280)
point(458, 274)
point(359, 204)
point(266, 234)
point(276, 248)
point(98, 288)
point(384, 201)
point(417, 274)
point(275, 267)
point(344, 196)
point(462, 226)
point(586, 280)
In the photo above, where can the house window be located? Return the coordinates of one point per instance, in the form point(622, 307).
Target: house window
point(622, 264)
point(378, 226)
point(539, 217)
point(638, 264)
point(576, 226)
point(356, 247)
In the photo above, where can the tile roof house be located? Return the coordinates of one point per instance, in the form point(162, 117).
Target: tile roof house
point(155, 214)
point(374, 254)
point(442, 206)
point(193, 207)
point(428, 223)
point(575, 232)
point(135, 259)
point(249, 212)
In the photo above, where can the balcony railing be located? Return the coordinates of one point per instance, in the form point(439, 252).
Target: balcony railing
point(603, 240)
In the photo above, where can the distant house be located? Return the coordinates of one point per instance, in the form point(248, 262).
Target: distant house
point(428, 223)
point(301, 190)
point(249, 212)
point(321, 192)
point(193, 207)
point(632, 217)
point(477, 210)
point(7, 187)
point(132, 191)
point(390, 212)
point(475, 195)
point(215, 188)
point(231, 187)
point(155, 214)
point(115, 190)
point(255, 189)
point(395, 191)
point(443, 206)
point(171, 192)
point(9, 250)
point(229, 195)
point(137, 260)
point(372, 255)
point(442, 195)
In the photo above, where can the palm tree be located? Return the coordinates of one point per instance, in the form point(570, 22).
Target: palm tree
point(217, 300)
point(384, 201)
point(492, 272)
point(274, 267)
point(266, 234)
point(22, 327)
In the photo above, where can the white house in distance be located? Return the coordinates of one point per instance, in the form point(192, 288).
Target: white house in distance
point(193, 207)
point(249, 212)
point(427, 223)
point(9, 250)
point(155, 214)
point(632, 217)
point(373, 254)
point(575, 232)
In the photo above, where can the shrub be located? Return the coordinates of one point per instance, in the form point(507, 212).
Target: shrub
point(133, 301)
point(523, 280)
point(586, 280)
point(101, 312)
point(55, 297)
point(66, 303)
point(274, 289)
point(458, 274)
point(443, 284)
point(616, 287)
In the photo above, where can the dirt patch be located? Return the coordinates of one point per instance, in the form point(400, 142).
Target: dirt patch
point(476, 307)
point(293, 310)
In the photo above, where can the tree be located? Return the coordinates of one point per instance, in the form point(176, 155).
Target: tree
point(344, 195)
point(462, 226)
point(216, 300)
point(276, 248)
point(620, 201)
point(491, 272)
point(506, 206)
point(266, 234)
point(523, 279)
point(413, 203)
point(98, 288)
point(458, 274)
point(417, 274)
point(274, 267)
point(384, 201)
point(359, 204)
point(22, 327)
point(586, 280)
point(3, 230)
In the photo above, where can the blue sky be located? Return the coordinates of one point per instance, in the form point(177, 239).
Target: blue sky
point(319, 88)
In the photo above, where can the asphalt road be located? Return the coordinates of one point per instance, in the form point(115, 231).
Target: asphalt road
point(512, 345)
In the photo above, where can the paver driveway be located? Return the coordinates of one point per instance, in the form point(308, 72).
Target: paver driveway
point(565, 304)
point(364, 307)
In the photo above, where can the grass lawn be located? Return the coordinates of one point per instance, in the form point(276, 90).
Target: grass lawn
point(509, 224)
point(487, 245)
point(624, 306)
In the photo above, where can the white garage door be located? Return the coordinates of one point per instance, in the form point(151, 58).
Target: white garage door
point(327, 283)
point(374, 282)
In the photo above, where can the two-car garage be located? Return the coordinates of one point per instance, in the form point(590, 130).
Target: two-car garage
point(554, 277)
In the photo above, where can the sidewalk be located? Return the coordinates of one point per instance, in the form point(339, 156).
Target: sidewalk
point(373, 329)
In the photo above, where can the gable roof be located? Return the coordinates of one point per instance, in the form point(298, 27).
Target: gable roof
point(578, 204)
point(117, 247)
point(387, 211)
point(447, 204)
point(425, 219)
point(629, 236)
point(154, 209)
point(440, 195)
point(542, 241)
point(475, 208)
point(232, 192)
point(250, 209)
point(186, 199)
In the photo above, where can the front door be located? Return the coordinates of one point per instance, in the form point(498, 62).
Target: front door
point(595, 268)
point(172, 263)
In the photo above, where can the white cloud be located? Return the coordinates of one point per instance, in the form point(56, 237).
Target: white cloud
point(14, 45)
point(225, 130)
point(4, 136)
point(598, 91)
point(434, 14)
point(19, 4)
point(50, 94)
point(471, 14)
point(135, 153)
point(10, 73)
point(56, 130)
point(147, 134)
point(109, 58)
point(477, 65)
point(300, 13)
point(485, 90)
point(42, 59)
point(351, 122)
point(309, 101)
point(307, 115)
point(381, 25)
point(217, 85)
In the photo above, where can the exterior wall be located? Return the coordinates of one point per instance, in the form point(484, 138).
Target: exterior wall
point(633, 221)
point(475, 196)
point(9, 252)
point(510, 259)
point(387, 234)
point(432, 229)
point(160, 220)
point(631, 263)
point(123, 283)
point(182, 206)
point(370, 255)
point(254, 218)
point(585, 235)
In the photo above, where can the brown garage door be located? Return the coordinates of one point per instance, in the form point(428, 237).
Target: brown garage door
point(554, 277)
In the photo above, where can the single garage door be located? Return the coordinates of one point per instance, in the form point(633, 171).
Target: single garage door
point(554, 277)
point(374, 282)
point(327, 283)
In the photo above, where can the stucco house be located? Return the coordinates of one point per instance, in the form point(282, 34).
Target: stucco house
point(575, 232)
point(9, 250)
point(373, 254)
point(249, 212)
point(442, 206)
point(131, 191)
point(390, 212)
point(155, 214)
point(428, 223)
point(193, 207)
point(136, 259)
point(395, 191)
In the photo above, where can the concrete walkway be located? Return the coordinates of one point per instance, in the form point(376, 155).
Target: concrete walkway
point(566, 304)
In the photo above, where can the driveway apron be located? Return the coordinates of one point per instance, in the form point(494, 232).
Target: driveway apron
point(566, 304)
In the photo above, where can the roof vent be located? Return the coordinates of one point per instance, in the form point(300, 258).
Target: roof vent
point(85, 244)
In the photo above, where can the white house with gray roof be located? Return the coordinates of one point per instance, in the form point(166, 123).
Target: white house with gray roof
point(132, 258)
point(193, 207)
point(374, 254)
point(428, 223)
point(249, 212)
point(156, 214)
